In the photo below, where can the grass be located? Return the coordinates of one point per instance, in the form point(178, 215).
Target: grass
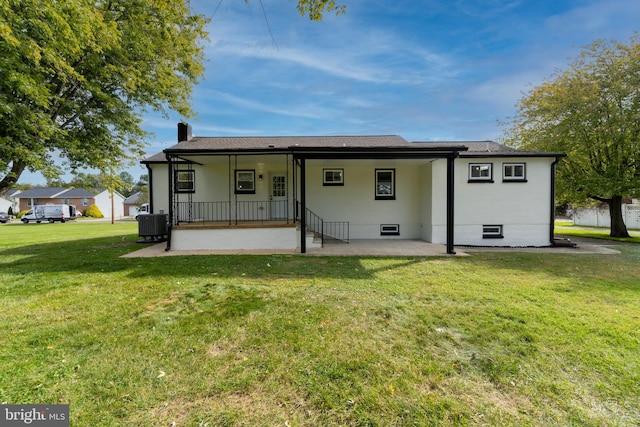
point(568, 229)
point(504, 338)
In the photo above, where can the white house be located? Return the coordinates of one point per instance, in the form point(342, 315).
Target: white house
point(79, 197)
point(260, 192)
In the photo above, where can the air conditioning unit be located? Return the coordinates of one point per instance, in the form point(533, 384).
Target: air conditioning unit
point(153, 227)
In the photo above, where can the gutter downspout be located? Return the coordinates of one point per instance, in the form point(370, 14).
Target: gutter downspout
point(303, 207)
point(552, 213)
point(150, 175)
point(170, 182)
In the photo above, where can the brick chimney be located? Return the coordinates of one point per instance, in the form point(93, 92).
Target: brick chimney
point(184, 132)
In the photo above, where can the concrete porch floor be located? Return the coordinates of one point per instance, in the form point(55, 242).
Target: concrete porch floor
point(353, 248)
point(386, 248)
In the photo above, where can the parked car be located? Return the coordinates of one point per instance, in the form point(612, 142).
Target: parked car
point(143, 210)
point(50, 212)
point(4, 217)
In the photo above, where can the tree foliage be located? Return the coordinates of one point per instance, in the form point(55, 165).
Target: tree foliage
point(315, 9)
point(75, 75)
point(591, 112)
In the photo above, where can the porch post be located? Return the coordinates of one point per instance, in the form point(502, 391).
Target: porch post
point(303, 207)
point(450, 204)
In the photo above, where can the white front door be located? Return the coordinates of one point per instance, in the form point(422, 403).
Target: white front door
point(278, 197)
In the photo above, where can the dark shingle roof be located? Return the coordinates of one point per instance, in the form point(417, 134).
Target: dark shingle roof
point(283, 142)
point(57, 192)
point(81, 193)
point(224, 144)
point(132, 199)
point(41, 192)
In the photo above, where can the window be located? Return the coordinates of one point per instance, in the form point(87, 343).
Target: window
point(245, 182)
point(385, 184)
point(84, 202)
point(185, 181)
point(64, 201)
point(514, 172)
point(480, 172)
point(332, 177)
point(389, 229)
point(492, 232)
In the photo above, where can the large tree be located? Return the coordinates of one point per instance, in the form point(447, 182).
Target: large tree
point(76, 75)
point(591, 111)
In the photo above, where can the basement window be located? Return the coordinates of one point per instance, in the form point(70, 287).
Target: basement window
point(480, 172)
point(389, 229)
point(492, 232)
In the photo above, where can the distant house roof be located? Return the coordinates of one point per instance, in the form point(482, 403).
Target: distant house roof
point(81, 193)
point(42, 192)
point(132, 199)
point(58, 192)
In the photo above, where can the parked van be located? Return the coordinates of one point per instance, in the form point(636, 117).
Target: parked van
point(143, 210)
point(51, 213)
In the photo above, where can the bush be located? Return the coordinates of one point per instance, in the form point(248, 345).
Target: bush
point(10, 211)
point(22, 213)
point(93, 211)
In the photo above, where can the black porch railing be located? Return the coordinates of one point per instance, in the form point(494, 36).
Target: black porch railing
point(325, 230)
point(232, 212)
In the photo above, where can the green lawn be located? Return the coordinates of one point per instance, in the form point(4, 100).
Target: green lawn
point(503, 338)
point(568, 229)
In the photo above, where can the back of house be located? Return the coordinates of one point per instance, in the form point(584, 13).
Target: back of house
point(50, 213)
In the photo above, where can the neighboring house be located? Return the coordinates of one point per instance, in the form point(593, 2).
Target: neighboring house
point(5, 204)
point(132, 204)
point(79, 197)
point(259, 192)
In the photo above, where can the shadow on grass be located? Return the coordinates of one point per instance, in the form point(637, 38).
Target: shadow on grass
point(102, 255)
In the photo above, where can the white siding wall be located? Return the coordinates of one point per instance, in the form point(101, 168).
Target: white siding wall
point(283, 238)
point(355, 201)
point(160, 187)
point(426, 207)
point(522, 208)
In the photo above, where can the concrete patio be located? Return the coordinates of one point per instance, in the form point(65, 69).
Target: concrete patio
point(386, 247)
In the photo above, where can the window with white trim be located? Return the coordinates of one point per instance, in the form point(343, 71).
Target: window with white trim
point(492, 231)
point(385, 184)
point(84, 202)
point(185, 181)
point(514, 172)
point(480, 172)
point(246, 181)
point(332, 177)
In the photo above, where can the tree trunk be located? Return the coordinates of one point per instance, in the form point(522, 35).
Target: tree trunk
point(618, 229)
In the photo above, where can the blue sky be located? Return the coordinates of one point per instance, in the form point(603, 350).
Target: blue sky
point(424, 70)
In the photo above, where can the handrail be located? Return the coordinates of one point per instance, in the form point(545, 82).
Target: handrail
point(333, 230)
point(315, 224)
